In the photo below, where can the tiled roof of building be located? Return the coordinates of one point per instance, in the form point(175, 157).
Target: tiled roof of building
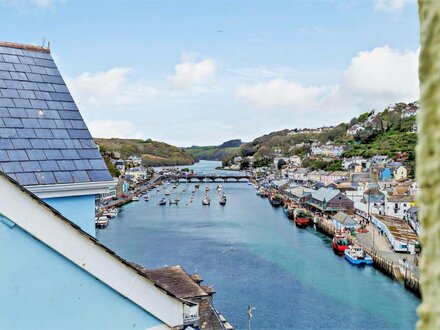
point(43, 137)
point(324, 194)
point(177, 281)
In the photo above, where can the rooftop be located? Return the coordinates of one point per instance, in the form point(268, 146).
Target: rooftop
point(43, 137)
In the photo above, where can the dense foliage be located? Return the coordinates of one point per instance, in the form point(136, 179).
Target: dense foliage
point(153, 153)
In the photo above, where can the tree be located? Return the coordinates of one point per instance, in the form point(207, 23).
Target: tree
point(281, 163)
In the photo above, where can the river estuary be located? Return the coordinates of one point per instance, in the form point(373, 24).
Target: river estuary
point(252, 254)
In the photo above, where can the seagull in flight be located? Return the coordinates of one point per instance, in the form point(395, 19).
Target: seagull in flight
point(220, 31)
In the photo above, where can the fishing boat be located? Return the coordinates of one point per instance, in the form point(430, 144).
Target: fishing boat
point(356, 255)
point(290, 211)
point(222, 200)
point(340, 243)
point(275, 200)
point(163, 201)
point(102, 222)
point(206, 201)
point(135, 199)
point(301, 218)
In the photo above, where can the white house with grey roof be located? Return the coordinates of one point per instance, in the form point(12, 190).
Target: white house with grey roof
point(44, 143)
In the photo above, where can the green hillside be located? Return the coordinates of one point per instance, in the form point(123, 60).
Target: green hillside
point(153, 153)
point(226, 149)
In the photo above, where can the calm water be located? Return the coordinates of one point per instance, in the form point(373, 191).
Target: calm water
point(252, 254)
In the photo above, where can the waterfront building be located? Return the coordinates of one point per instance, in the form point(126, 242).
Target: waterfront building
point(44, 143)
point(398, 205)
point(330, 200)
point(58, 276)
point(343, 221)
point(137, 173)
point(399, 234)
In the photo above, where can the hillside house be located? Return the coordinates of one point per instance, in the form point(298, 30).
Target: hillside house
point(400, 173)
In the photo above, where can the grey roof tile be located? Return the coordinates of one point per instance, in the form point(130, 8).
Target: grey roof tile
point(22, 103)
point(17, 155)
point(36, 154)
point(43, 138)
point(31, 166)
point(66, 165)
point(27, 178)
point(18, 76)
point(13, 122)
point(45, 178)
point(4, 75)
point(14, 84)
point(10, 93)
point(12, 167)
point(27, 133)
point(11, 58)
point(21, 144)
point(3, 156)
point(80, 176)
point(63, 177)
point(99, 175)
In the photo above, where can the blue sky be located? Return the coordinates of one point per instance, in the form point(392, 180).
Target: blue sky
point(162, 69)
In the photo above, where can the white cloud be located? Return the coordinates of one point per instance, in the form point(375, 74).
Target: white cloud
point(113, 128)
point(392, 5)
point(24, 4)
point(280, 93)
point(189, 73)
point(113, 87)
point(373, 79)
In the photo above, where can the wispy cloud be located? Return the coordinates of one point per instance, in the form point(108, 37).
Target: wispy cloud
point(394, 6)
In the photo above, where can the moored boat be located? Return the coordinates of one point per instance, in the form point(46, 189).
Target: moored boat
point(222, 200)
point(219, 187)
point(301, 218)
point(135, 198)
point(167, 193)
point(163, 201)
point(146, 197)
point(206, 201)
point(102, 222)
point(340, 243)
point(356, 255)
point(275, 200)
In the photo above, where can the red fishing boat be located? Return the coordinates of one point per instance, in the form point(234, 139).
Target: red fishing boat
point(301, 218)
point(340, 243)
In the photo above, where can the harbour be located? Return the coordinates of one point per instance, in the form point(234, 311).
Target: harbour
point(253, 255)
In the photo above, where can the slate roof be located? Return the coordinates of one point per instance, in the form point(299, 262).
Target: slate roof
point(325, 194)
point(43, 137)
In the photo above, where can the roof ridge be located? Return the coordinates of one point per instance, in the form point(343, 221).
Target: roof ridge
point(25, 47)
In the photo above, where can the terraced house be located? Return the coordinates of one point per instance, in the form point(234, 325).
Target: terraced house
point(54, 273)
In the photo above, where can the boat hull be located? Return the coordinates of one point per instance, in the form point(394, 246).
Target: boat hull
point(339, 249)
point(302, 222)
point(367, 260)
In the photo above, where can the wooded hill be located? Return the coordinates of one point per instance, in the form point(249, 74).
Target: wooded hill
point(220, 152)
point(153, 153)
point(385, 133)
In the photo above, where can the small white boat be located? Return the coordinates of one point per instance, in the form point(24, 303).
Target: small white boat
point(356, 255)
point(219, 187)
point(147, 198)
point(102, 222)
point(135, 199)
point(206, 201)
point(167, 193)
